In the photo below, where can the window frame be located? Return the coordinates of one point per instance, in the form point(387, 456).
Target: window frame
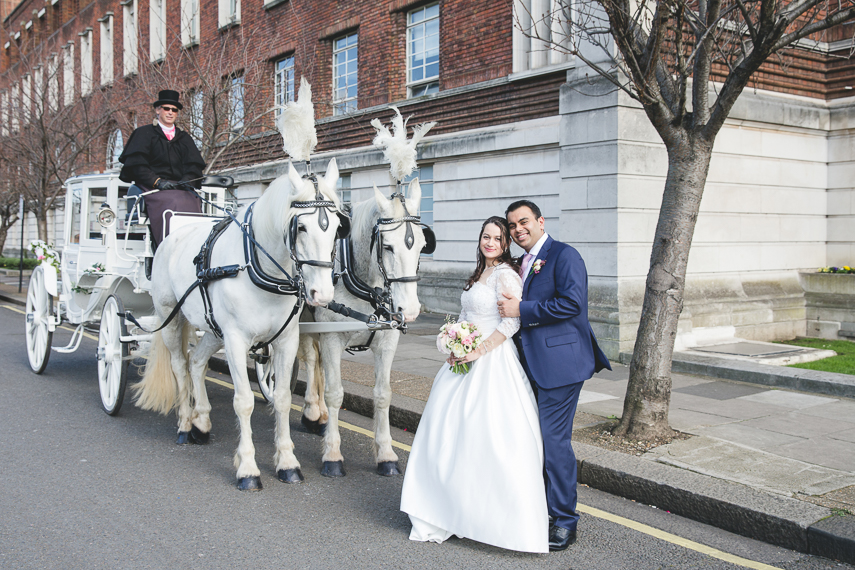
point(283, 76)
point(130, 38)
point(157, 30)
point(106, 49)
point(86, 63)
point(345, 105)
point(236, 121)
point(190, 22)
point(424, 82)
point(67, 75)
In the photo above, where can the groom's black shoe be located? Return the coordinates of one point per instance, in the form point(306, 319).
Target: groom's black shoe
point(560, 538)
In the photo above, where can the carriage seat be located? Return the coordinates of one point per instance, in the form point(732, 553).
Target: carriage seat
point(135, 198)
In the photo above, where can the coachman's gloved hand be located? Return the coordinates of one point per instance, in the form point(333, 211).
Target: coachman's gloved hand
point(163, 184)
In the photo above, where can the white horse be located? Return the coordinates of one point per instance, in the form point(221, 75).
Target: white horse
point(399, 261)
point(246, 314)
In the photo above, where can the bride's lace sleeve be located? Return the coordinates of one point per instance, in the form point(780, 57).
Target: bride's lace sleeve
point(507, 281)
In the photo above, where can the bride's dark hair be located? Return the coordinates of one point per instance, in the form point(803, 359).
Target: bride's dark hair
point(505, 257)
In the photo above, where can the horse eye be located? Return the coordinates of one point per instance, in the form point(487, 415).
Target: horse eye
point(301, 228)
point(388, 248)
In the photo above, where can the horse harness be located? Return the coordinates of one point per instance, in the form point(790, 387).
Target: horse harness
point(205, 274)
point(380, 298)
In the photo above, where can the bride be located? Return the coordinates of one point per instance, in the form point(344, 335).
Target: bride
point(476, 466)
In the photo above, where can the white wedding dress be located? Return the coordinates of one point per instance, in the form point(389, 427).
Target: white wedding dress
point(476, 467)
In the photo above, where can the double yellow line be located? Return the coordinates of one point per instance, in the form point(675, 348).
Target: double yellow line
point(622, 521)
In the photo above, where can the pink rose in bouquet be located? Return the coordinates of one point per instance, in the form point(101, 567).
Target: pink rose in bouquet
point(458, 339)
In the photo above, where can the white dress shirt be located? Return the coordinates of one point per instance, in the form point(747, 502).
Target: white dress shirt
point(534, 251)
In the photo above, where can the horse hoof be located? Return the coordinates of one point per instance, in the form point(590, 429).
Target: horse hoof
point(388, 468)
point(290, 475)
point(250, 483)
point(198, 436)
point(333, 469)
point(313, 426)
point(183, 438)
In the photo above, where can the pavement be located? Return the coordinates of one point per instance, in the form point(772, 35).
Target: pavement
point(767, 452)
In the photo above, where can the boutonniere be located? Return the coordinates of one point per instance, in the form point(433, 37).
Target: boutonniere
point(537, 266)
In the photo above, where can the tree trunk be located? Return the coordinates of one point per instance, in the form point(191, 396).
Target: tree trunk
point(41, 220)
point(645, 409)
point(3, 232)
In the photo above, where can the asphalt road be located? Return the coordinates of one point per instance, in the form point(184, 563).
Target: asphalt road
point(80, 489)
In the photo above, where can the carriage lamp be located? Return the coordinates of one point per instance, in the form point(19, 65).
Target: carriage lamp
point(106, 216)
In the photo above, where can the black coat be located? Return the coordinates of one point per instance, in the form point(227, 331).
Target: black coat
point(149, 155)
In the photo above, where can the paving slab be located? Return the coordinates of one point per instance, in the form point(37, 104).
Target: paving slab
point(825, 451)
point(847, 435)
point(690, 421)
point(843, 410)
point(735, 408)
point(743, 464)
point(587, 397)
point(719, 390)
point(802, 426)
point(784, 399)
point(751, 436)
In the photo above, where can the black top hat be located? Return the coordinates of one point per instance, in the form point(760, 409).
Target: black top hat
point(168, 96)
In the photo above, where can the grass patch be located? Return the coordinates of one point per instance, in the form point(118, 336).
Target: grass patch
point(15, 263)
point(843, 363)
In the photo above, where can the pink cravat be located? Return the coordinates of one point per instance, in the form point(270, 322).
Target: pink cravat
point(526, 258)
point(170, 134)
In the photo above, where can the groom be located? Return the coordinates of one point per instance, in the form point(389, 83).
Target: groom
point(558, 351)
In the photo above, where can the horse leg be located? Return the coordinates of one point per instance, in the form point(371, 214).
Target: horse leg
point(287, 466)
point(200, 429)
point(331, 348)
point(248, 475)
point(387, 460)
point(308, 353)
point(173, 338)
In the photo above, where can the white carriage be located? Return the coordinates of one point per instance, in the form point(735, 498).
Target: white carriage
point(102, 274)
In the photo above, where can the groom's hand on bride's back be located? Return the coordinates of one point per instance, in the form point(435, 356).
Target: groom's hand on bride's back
point(509, 306)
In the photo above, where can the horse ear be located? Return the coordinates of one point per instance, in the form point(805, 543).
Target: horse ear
point(414, 197)
point(295, 178)
point(383, 203)
point(331, 175)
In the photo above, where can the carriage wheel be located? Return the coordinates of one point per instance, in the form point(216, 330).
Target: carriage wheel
point(112, 356)
point(39, 313)
point(266, 379)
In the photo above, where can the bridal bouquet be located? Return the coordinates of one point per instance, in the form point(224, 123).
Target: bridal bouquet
point(458, 339)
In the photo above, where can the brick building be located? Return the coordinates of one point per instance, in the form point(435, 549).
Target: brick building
point(515, 119)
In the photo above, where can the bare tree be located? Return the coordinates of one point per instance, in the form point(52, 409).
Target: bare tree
point(226, 86)
point(49, 137)
point(666, 54)
point(9, 200)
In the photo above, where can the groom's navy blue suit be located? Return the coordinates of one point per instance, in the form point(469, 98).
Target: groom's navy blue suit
point(559, 352)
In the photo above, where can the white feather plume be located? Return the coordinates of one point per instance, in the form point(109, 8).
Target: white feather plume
point(297, 124)
point(400, 152)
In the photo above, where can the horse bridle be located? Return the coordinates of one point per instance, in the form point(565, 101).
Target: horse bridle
point(409, 240)
point(321, 206)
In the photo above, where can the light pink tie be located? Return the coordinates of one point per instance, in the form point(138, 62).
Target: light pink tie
point(169, 135)
point(526, 258)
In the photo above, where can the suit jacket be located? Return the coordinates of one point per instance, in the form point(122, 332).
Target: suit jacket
point(555, 337)
point(149, 155)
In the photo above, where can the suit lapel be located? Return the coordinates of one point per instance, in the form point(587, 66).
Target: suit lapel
point(544, 251)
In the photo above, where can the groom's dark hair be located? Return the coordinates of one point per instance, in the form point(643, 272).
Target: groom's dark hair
point(528, 204)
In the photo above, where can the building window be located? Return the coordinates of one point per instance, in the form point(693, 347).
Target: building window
point(345, 74)
point(284, 83)
point(68, 74)
point(229, 13)
point(107, 49)
point(115, 146)
point(343, 186)
point(85, 63)
point(14, 108)
point(423, 51)
point(27, 93)
point(541, 33)
point(196, 118)
point(236, 106)
point(4, 114)
point(130, 37)
point(189, 23)
point(53, 78)
point(157, 29)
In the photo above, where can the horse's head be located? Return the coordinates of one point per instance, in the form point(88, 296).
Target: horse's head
point(402, 244)
point(312, 231)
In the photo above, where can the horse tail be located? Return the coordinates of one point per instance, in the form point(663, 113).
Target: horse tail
point(158, 388)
